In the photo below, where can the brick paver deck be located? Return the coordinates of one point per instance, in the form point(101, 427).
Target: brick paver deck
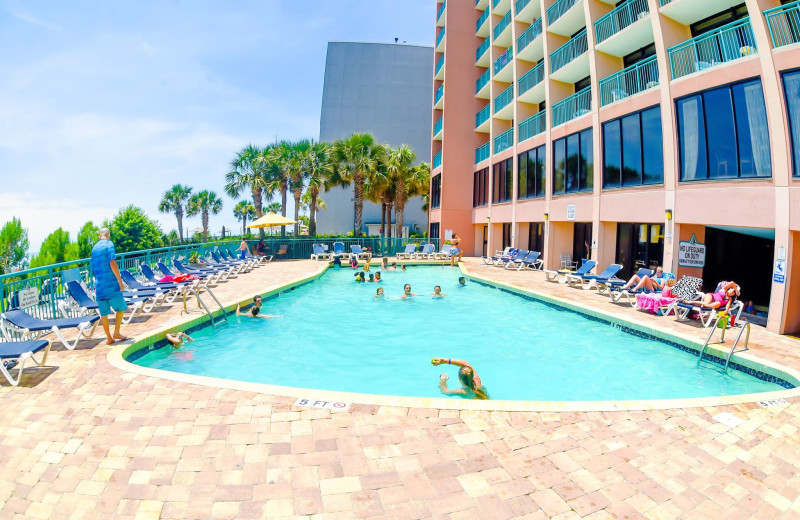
point(85, 440)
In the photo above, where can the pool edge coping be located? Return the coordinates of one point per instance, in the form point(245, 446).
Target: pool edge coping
point(116, 357)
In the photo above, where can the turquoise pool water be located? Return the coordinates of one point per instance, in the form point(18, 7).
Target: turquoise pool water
point(332, 334)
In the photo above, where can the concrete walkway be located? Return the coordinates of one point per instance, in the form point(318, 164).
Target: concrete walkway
point(85, 440)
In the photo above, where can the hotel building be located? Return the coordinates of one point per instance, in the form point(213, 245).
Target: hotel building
point(625, 132)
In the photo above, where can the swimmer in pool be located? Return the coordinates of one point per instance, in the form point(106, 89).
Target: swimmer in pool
point(437, 292)
point(471, 384)
point(384, 263)
point(371, 277)
point(378, 276)
point(254, 311)
point(403, 267)
point(462, 282)
point(178, 338)
point(407, 292)
point(379, 293)
point(394, 266)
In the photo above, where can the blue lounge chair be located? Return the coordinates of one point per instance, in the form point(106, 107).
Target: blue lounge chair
point(503, 261)
point(88, 306)
point(359, 253)
point(590, 281)
point(685, 289)
point(203, 277)
point(616, 292)
point(560, 275)
point(531, 261)
point(426, 253)
point(16, 353)
point(151, 277)
point(338, 250)
point(318, 253)
point(490, 260)
point(215, 274)
point(30, 328)
point(408, 253)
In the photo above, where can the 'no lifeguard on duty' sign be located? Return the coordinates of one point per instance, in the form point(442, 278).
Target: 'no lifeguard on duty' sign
point(692, 253)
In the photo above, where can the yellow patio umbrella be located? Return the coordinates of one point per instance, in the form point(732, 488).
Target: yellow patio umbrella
point(271, 220)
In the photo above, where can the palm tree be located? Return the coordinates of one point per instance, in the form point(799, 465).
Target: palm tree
point(204, 202)
point(298, 164)
point(318, 170)
point(354, 159)
point(242, 211)
point(276, 159)
point(418, 184)
point(247, 172)
point(273, 207)
point(399, 165)
point(174, 201)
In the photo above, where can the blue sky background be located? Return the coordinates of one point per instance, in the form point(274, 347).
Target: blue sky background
point(103, 103)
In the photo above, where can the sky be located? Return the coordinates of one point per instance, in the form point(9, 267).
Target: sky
point(105, 104)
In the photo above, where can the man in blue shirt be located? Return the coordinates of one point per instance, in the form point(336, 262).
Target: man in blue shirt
point(108, 285)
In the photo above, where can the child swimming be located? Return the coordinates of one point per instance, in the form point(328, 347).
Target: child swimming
point(437, 292)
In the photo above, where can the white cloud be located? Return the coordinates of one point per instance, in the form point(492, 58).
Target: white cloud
point(26, 16)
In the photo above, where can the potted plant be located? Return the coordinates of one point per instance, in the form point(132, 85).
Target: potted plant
point(195, 260)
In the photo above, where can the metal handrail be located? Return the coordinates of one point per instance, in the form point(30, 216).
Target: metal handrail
point(481, 20)
point(437, 126)
point(437, 160)
point(441, 10)
point(501, 25)
point(727, 43)
point(440, 37)
point(504, 99)
point(483, 80)
point(532, 126)
point(503, 60)
point(629, 81)
point(575, 47)
point(482, 152)
point(438, 95)
point(519, 5)
point(482, 48)
point(558, 9)
point(532, 78)
point(530, 34)
point(574, 106)
point(504, 141)
point(483, 114)
point(439, 64)
point(620, 18)
point(784, 24)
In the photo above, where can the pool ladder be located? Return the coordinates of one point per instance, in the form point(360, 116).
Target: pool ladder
point(201, 303)
point(742, 324)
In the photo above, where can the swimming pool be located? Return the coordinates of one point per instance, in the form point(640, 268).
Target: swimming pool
point(333, 335)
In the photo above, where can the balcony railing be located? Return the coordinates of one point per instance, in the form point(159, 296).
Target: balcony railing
point(482, 81)
point(530, 34)
point(494, 3)
point(482, 48)
point(519, 5)
point(557, 10)
point(623, 16)
point(441, 10)
point(439, 64)
point(503, 60)
point(501, 25)
point(504, 99)
point(483, 115)
point(727, 43)
point(531, 78)
point(437, 160)
point(784, 24)
point(482, 152)
point(532, 126)
point(439, 94)
point(576, 105)
point(504, 141)
point(569, 51)
point(437, 126)
point(629, 81)
point(481, 20)
point(664, 2)
point(440, 37)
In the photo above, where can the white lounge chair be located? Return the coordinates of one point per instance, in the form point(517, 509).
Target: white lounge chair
point(31, 328)
point(561, 274)
point(338, 250)
point(359, 253)
point(408, 254)
point(319, 253)
point(426, 253)
point(16, 353)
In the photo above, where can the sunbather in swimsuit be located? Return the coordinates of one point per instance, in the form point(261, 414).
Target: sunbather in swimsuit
point(719, 299)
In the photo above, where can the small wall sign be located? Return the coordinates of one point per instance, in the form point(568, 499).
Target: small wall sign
point(321, 403)
point(571, 212)
point(28, 297)
point(691, 253)
point(779, 273)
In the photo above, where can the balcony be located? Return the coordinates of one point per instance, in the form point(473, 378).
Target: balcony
point(620, 18)
point(482, 119)
point(532, 126)
point(501, 65)
point(727, 43)
point(440, 41)
point(629, 81)
point(504, 141)
point(573, 107)
point(501, 34)
point(440, 69)
point(526, 50)
point(482, 153)
point(482, 85)
point(437, 160)
point(481, 27)
point(481, 56)
point(530, 87)
point(503, 108)
point(566, 17)
point(625, 29)
point(526, 10)
point(570, 62)
point(437, 130)
point(440, 14)
point(688, 12)
point(784, 24)
point(437, 98)
point(481, 4)
point(501, 6)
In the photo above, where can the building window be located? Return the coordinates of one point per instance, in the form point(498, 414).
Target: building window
point(531, 173)
point(480, 188)
point(506, 234)
point(434, 232)
point(791, 86)
point(436, 191)
point(503, 181)
point(573, 163)
point(581, 240)
point(718, 20)
point(633, 152)
point(536, 237)
point(639, 246)
point(723, 133)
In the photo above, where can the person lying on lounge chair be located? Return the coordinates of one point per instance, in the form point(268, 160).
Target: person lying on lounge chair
point(723, 297)
point(652, 284)
point(471, 384)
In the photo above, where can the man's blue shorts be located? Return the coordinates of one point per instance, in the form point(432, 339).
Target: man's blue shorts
point(117, 302)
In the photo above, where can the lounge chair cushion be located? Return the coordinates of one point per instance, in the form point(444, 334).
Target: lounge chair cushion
point(14, 349)
point(24, 320)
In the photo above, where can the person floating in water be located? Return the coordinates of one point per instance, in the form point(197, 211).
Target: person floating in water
point(178, 338)
point(462, 282)
point(379, 293)
point(437, 292)
point(472, 386)
point(407, 292)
